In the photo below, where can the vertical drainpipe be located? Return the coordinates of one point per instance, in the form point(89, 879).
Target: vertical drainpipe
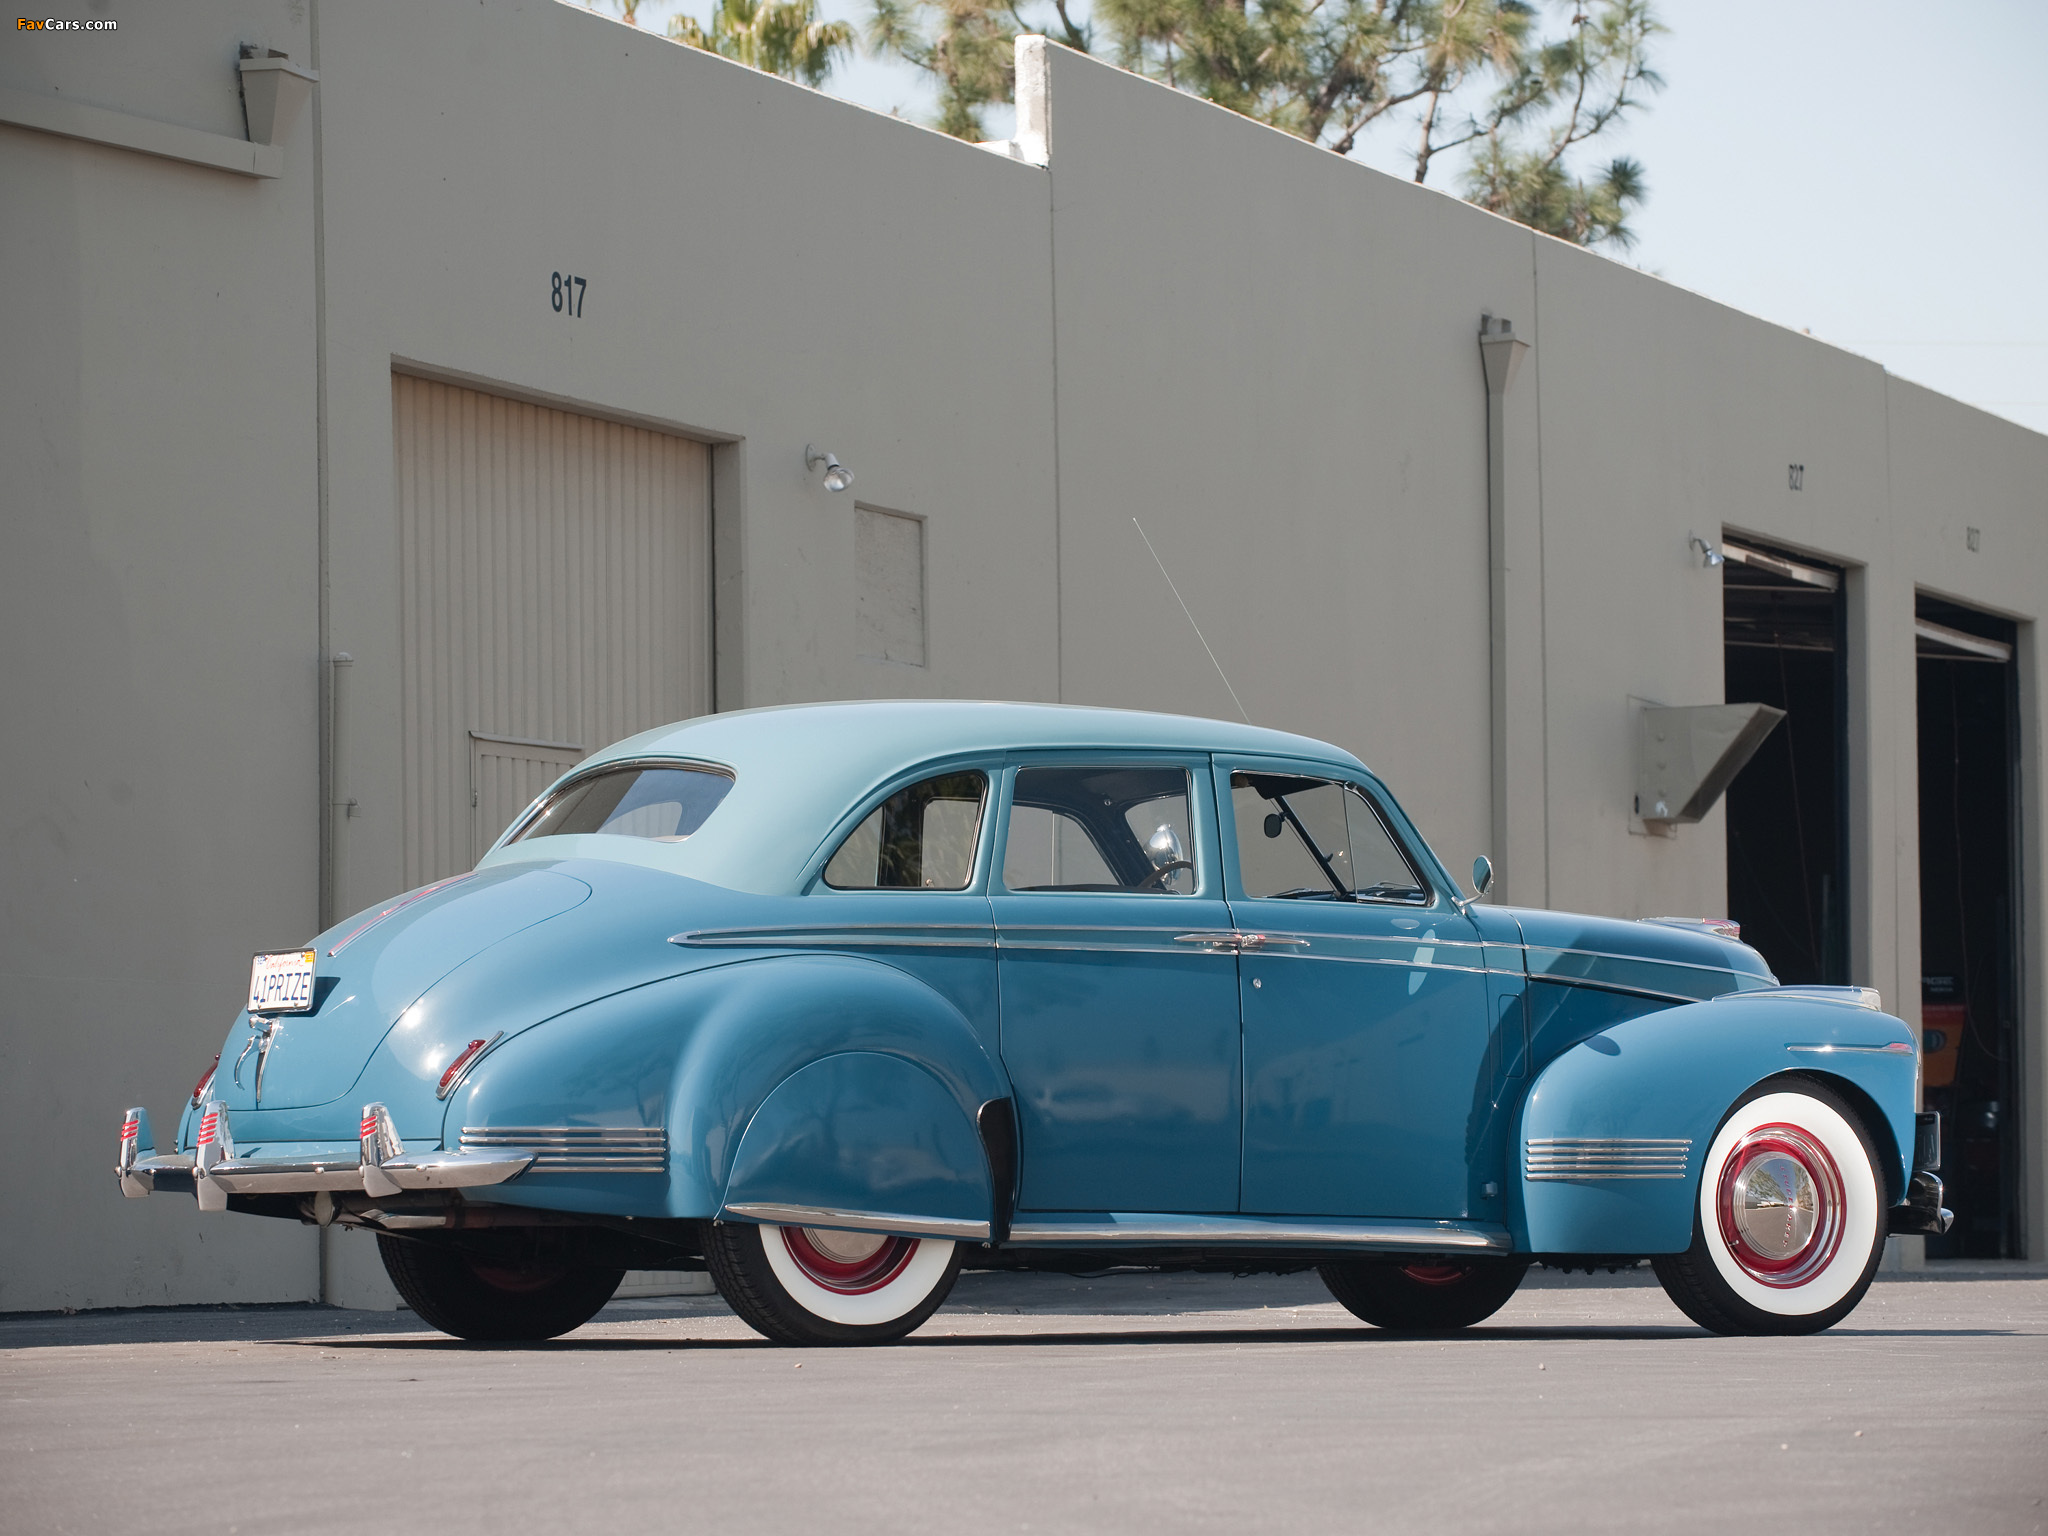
point(1501, 353)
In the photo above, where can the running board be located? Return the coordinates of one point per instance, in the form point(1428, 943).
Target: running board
point(1143, 1230)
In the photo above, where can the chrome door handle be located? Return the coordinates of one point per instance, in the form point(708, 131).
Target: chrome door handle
point(1256, 941)
point(1216, 941)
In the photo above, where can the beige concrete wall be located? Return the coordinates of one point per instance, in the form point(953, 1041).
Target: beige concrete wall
point(767, 268)
point(158, 605)
point(1268, 355)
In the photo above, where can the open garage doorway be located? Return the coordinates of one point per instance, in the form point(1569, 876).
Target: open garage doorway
point(1969, 952)
point(1785, 638)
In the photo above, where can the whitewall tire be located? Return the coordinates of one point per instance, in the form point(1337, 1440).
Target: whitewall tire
point(1789, 1222)
point(813, 1285)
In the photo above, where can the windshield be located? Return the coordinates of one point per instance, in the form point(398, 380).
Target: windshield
point(663, 804)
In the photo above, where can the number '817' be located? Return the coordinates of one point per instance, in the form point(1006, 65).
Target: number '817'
point(567, 294)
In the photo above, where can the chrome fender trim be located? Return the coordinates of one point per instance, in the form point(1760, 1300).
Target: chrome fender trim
point(858, 1221)
point(1147, 1230)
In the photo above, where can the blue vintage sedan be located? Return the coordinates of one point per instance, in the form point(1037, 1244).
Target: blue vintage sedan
point(829, 1000)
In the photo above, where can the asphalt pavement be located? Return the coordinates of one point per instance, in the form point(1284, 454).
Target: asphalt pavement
point(1126, 1403)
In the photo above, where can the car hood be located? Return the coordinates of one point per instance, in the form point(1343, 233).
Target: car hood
point(493, 951)
point(1659, 958)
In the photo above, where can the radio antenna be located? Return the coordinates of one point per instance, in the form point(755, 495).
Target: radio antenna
point(1191, 618)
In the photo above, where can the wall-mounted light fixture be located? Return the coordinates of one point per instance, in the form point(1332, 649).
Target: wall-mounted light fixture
point(274, 92)
point(837, 476)
point(1709, 556)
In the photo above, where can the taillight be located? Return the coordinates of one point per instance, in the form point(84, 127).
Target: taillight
point(460, 1064)
point(205, 1079)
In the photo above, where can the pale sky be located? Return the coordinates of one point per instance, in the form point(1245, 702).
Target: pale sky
point(1870, 171)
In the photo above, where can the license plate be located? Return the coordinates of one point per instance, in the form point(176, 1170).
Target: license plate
point(282, 982)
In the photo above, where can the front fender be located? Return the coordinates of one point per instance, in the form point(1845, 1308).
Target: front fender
point(1671, 1077)
point(698, 1056)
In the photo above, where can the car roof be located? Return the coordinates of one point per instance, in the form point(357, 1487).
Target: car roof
point(799, 769)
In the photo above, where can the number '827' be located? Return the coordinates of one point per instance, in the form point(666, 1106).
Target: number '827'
point(567, 294)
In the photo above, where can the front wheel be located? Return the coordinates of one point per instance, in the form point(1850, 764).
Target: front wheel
point(814, 1285)
point(1440, 1296)
point(473, 1299)
point(1789, 1225)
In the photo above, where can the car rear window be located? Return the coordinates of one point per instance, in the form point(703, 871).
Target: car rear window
point(663, 804)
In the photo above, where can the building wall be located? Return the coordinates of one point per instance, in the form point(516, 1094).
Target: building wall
point(159, 561)
point(1267, 356)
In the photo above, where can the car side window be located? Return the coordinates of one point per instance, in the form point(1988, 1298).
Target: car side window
point(1316, 839)
point(920, 838)
point(1100, 829)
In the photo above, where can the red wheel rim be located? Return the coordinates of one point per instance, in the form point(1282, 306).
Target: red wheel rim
point(1781, 1206)
point(848, 1263)
point(1435, 1274)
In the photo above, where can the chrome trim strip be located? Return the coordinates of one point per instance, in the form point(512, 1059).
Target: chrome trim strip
point(1399, 965)
point(578, 1148)
point(1895, 1048)
point(859, 1221)
point(1547, 1159)
point(503, 1135)
point(909, 935)
point(1855, 997)
point(1163, 1230)
point(399, 905)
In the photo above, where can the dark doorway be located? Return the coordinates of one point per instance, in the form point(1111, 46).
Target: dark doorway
point(1970, 984)
point(1786, 643)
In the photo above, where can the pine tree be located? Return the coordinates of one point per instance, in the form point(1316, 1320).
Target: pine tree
point(1456, 73)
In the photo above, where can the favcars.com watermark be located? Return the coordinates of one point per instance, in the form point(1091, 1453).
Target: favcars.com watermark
point(58, 24)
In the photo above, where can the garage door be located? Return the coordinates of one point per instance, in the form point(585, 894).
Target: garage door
point(555, 576)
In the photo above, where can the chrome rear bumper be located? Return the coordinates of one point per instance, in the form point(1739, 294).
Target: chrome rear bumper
point(382, 1166)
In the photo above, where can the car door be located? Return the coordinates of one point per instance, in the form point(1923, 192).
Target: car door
point(906, 886)
point(1369, 1056)
point(1118, 983)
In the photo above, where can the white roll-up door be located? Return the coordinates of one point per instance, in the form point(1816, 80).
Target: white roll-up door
point(556, 596)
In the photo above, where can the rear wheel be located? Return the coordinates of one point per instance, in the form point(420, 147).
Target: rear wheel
point(1789, 1225)
point(813, 1285)
point(534, 1299)
point(1439, 1296)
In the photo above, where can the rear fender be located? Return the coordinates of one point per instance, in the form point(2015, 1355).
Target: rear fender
point(1671, 1077)
point(700, 1055)
point(874, 1140)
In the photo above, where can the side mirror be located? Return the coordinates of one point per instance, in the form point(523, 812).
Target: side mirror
point(1482, 874)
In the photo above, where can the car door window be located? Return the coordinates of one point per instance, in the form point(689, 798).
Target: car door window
point(920, 838)
point(1316, 839)
point(1102, 829)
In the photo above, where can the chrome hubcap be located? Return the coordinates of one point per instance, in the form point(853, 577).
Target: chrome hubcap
point(1776, 1205)
point(845, 1247)
point(851, 1263)
point(1781, 1205)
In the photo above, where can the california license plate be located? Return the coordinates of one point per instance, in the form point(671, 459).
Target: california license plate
point(282, 982)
